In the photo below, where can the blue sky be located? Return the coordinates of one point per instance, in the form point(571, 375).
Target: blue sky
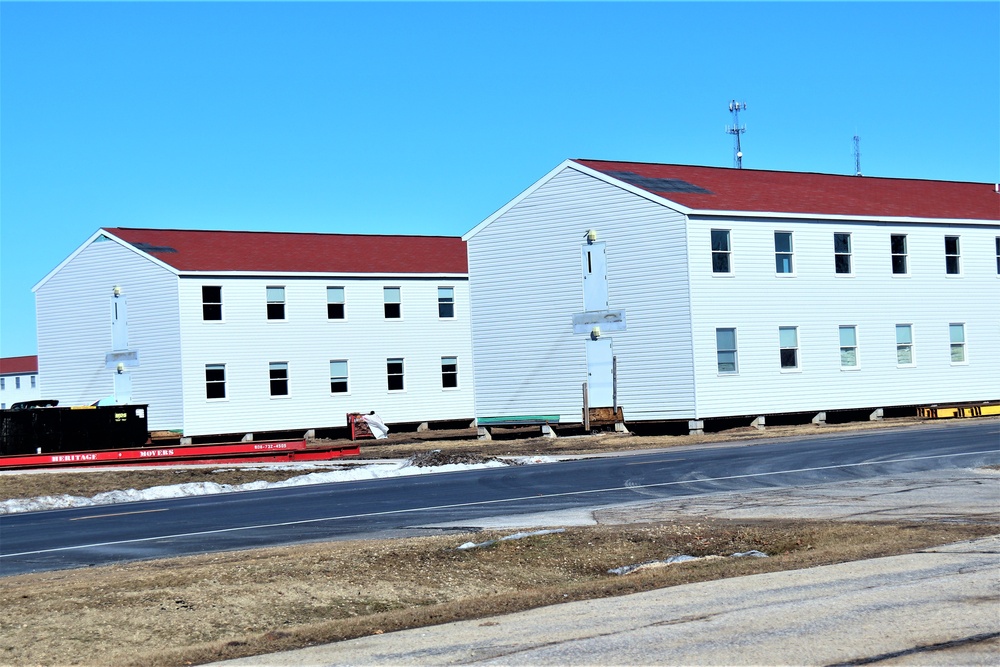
point(425, 118)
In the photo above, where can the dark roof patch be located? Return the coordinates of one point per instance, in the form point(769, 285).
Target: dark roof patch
point(657, 184)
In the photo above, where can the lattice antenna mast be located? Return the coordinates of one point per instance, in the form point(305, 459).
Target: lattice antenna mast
point(857, 155)
point(736, 130)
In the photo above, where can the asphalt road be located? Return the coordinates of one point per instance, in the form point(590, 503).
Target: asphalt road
point(82, 537)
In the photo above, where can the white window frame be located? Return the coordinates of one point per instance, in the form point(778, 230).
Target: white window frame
point(904, 255)
point(398, 303)
point(331, 301)
point(724, 253)
point(445, 302)
point(210, 382)
point(788, 255)
point(848, 255)
point(905, 345)
point(953, 259)
point(401, 374)
point(272, 368)
point(720, 351)
point(849, 347)
point(345, 378)
point(782, 347)
point(958, 344)
point(273, 301)
point(205, 304)
point(449, 373)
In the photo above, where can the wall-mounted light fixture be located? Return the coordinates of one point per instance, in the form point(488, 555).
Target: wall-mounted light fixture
point(120, 368)
point(595, 333)
point(117, 290)
point(591, 235)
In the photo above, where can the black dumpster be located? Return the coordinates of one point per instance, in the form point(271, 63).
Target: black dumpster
point(32, 430)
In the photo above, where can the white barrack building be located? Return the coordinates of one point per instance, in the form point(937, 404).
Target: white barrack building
point(242, 332)
point(689, 293)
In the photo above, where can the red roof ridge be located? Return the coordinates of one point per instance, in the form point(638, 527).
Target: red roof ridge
point(19, 365)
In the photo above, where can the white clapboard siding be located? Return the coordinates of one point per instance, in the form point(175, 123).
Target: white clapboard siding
point(756, 302)
point(74, 331)
point(246, 342)
point(526, 282)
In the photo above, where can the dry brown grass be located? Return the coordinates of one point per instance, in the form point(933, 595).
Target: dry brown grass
point(203, 608)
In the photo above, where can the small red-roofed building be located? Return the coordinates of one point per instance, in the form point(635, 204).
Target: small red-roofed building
point(681, 292)
point(228, 332)
point(18, 380)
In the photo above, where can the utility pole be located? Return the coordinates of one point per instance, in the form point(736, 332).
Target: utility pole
point(736, 130)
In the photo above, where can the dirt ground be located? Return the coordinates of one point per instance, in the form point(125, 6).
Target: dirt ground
point(193, 610)
point(199, 609)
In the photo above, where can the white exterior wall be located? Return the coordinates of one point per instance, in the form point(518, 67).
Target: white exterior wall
point(246, 342)
point(527, 283)
point(756, 302)
point(73, 309)
point(10, 393)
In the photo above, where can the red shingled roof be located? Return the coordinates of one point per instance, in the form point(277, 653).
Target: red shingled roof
point(804, 193)
point(18, 365)
point(283, 252)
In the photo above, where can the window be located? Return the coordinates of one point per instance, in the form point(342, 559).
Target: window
point(3, 383)
point(17, 382)
point(842, 253)
point(720, 251)
point(338, 377)
point(215, 381)
point(951, 256)
point(211, 302)
point(335, 303)
point(449, 372)
point(957, 333)
point(446, 302)
point(788, 339)
point(279, 378)
point(32, 381)
point(998, 255)
point(725, 350)
point(393, 305)
point(394, 374)
point(904, 345)
point(897, 247)
point(783, 252)
point(848, 347)
point(275, 303)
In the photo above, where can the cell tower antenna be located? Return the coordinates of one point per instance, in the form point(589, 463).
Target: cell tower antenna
point(857, 155)
point(736, 130)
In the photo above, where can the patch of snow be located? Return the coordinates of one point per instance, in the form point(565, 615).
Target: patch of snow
point(515, 536)
point(753, 553)
point(682, 558)
point(356, 473)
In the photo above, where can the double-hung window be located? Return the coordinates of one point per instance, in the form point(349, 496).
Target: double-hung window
point(338, 376)
point(335, 303)
point(278, 371)
point(725, 350)
point(446, 302)
point(783, 252)
point(904, 344)
point(211, 302)
point(842, 253)
point(33, 382)
point(897, 249)
point(392, 302)
point(788, 341)
point(215, 381)
point(957, 334)
point(275, 303)
point(449, 372)
point(721, 252)
point(952, 256)
point(17, 382)
point(848, 347)
point(394, 374)
point(998, 255)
